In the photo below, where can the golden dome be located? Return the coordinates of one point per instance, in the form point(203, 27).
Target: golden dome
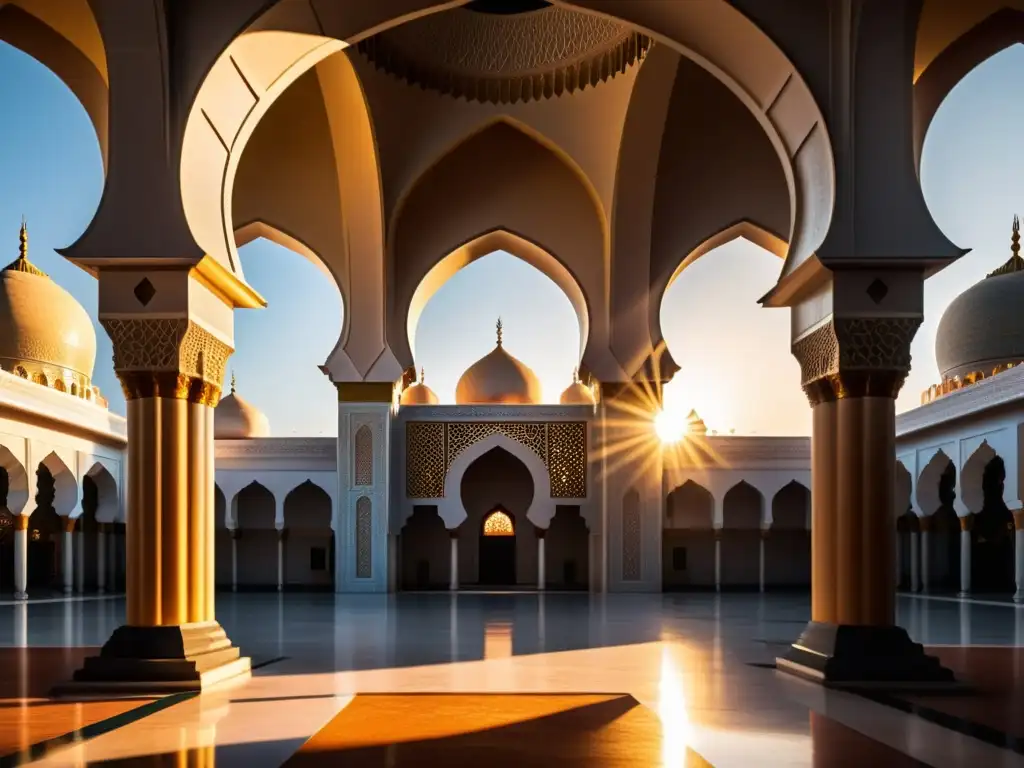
point(577, 393)
point(45, 334)
point(418, 394)
point(237, 419)
point(497, 377)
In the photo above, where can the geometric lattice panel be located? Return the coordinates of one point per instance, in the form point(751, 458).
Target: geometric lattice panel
point(463, 434)
point(631, 536)
point(364, 538)
point(567, 459)
point(424, 459)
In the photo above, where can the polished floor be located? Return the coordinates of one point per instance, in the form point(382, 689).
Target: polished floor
point(523, 679)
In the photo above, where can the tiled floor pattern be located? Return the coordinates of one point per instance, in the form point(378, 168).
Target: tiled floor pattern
point(414, 679)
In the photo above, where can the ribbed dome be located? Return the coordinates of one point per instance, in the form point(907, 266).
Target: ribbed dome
point(577, 393)
point(418, 394)
point(45, 334)
point(983, 327)
point(237, 419)
point(497, 377)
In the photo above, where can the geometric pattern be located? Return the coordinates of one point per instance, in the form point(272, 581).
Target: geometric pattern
point(363, 472)
point(432, 447)
point(364, 538)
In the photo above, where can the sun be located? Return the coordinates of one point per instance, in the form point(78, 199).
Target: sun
point(670, 426)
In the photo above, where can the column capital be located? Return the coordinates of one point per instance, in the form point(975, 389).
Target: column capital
point(382, 392)
point(540, 531)
point(69, 524)
point(924, 523)
point(282, 534)
point(453, 533)
point(21, 522)
point(967, 522)
point(855, 357)
point(168, 357)
point(1018, 519)
point(236, 533)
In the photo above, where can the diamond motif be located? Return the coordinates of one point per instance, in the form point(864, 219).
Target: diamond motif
point(877, 291)
point(144, 291)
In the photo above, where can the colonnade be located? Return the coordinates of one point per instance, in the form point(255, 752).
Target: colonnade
point(453, 561)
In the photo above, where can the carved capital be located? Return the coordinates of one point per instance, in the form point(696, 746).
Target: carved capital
point(21, 522)
point(167, 357)
point(856, 357)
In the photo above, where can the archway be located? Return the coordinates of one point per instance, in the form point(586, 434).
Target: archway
point(787, 550)
point(45, 539)
point(944, 536)
point(497, 549)
point(742, 521)
point(257, 537)
point(992, 536)
point(7, 527)
point(425, 561)
point(497, 488)
point(567, 550)
point(309, 552)
point(688, 539)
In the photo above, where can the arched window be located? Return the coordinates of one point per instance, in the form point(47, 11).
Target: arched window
point(363, 456)
point(498, 523)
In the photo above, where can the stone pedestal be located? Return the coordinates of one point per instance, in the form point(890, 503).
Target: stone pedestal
point(171, 371)
point(852, 371)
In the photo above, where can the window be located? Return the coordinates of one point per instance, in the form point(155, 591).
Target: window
point(679, 558)
point(498, 523)
point(317, 559)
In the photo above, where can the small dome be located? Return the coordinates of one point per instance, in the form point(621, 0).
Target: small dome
point(497, 377)
point(237, 419)
point(983, 327)
point(45, 334)
point(695, 424)
point(418, 394)
point(577, 393)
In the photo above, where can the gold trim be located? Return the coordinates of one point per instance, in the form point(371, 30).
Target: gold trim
point(21, 522)
point(69, 524)
point(227, 286)
point(1018, 519)
point(365, 391)
point(967, 522)
point(924, 524)
point(170, 385)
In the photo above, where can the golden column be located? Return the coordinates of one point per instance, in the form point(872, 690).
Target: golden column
point(852, 369)
point(171, 370)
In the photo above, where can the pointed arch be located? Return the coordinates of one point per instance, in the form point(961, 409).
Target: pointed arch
point(501, 179)
point(743, 507)
point(928, 499)
point(255, 507)
point(65, 486)
point(307, 506)
point(17, 481)
point(690, 505)
point(791, 507)
point(972, 475)
point(108, 497)
point(499, 240)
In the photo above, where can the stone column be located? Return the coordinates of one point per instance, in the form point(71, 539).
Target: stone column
point(67, 554)
point(852, 368)
point(453, 561)
point(718, 559)
point(966, 524)
point(898, 570)
point(925, 524)
point(101, 558)
point(282, 537)
point(171, 366)
point(1018, 554)
point(236, 534)
point(915, 560)
point(79, 538)
point(541, 565)
point(760, 560)
point(21, 523)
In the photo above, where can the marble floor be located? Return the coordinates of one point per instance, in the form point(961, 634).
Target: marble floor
point(514, 679)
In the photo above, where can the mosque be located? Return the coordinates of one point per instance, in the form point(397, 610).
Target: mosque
point(502, 490)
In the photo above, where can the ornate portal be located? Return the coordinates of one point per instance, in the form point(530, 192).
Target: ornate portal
point(432, 447)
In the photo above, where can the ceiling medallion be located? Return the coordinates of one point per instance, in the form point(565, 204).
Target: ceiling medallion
point(507, 51)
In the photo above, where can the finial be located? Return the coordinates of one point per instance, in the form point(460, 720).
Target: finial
point(499, 331)
point(23, 238)
point(22, 264)
point(1015, 262)
point(1015, 237)
point(422, 376)
point(575, 375)
point(232, 382)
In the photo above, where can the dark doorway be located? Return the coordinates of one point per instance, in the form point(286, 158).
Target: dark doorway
point(498, 549)
point(993, 536)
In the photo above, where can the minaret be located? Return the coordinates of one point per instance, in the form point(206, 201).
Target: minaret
point(232, 382)
point(498, 326)
point(22, 264)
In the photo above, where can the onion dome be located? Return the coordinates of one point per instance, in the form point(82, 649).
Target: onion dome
point(498, 377)
point(983, 328)
point(418, 394)
point(695, 424)
point(237, 419)
point(45, 334)
point(577, 393)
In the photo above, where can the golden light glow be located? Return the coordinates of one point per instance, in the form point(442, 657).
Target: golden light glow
point(498, 524)
point(677, 731)
point(670, 426)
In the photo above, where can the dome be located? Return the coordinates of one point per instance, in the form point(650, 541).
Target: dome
point(577, 393)
point(983, 327)
point(45, 334)
point(497, 377)
point(236, 419)
point(418, 394)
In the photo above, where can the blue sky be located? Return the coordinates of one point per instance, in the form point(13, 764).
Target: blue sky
point(736, 367)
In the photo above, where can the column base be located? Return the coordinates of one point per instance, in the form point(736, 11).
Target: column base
point(1019, 597)
point(21, 595)
point(190, 657)
point(879, 658)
